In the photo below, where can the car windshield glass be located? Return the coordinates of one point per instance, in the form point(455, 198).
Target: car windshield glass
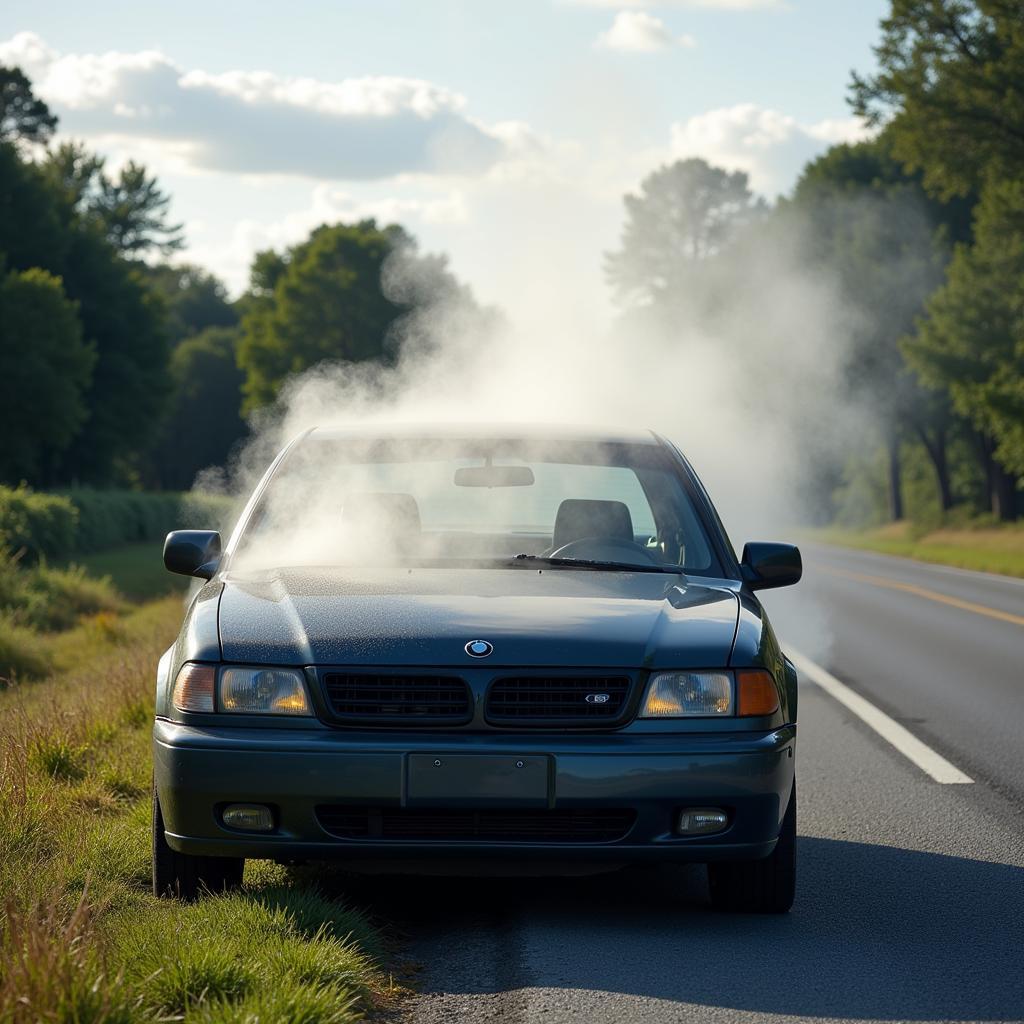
point(473, 503)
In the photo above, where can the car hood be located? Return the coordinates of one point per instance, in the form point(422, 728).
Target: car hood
point(424, 617)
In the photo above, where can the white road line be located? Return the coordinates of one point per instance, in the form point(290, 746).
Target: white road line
point(902, 739)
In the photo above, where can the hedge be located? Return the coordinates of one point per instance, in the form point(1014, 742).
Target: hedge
point(59, 526)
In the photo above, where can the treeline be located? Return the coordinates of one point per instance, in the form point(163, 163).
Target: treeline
point(120, 369)
point(922, 229)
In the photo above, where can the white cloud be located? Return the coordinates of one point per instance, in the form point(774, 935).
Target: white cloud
point(258, 122)
point(770, 146)
point(638, 32)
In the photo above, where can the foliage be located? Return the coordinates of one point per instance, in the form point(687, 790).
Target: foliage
point(45, 369)
point(327, 304)
point(972, 341)
point(83, 520)
point(204, 421)
point(949, 77)
point(133, 212)
point(349, 293)
point(24, 654)
point(23, 116)
point(684, 213)
point(193, 299)
point(37, 524)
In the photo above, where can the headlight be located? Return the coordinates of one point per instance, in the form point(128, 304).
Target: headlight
point(688, 695)
point(262, 691)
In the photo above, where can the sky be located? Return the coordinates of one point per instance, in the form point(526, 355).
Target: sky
point(501, 133)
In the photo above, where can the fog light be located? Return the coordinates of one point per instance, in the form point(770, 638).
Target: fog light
point(248, 817)
point(701, 821)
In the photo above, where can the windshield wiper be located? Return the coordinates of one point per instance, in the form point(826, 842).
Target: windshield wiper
point(593, 563)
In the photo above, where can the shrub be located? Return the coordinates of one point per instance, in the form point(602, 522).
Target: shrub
point(23, 653)
point(57, 526)
point(38, 524)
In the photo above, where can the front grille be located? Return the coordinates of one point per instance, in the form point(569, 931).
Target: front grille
point(558, 700)
point(397, 699)
point(488, 825)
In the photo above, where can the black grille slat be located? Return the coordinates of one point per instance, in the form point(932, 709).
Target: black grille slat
point(395, 698)
point(557, 699)
point(481, 825)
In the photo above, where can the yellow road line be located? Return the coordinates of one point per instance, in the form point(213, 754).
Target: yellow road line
point(930, 595)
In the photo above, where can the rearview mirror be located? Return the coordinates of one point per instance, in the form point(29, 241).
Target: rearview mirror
point(192, 553)
point(494, 476)
point(768, 565)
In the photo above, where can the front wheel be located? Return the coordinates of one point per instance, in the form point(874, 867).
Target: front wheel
point(764, 886)
point(187, 876)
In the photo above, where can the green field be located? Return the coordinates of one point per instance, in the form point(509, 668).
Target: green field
point(82, 938)
point(136, 570)
point(991, 549)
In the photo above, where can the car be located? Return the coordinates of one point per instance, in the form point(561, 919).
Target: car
point(477, 645)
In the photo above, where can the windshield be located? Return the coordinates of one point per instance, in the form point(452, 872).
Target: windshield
point(474, 503)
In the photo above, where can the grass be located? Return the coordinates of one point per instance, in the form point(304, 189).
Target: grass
point(998, 549)
point(81, 937)
point(136, 570)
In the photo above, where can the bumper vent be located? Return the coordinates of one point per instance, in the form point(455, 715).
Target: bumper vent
point(467, 825)
point(397, 699)
point(558, 700)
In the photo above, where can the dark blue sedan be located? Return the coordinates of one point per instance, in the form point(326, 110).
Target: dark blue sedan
point(477, 645)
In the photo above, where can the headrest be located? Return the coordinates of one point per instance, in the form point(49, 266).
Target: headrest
point(583, 517)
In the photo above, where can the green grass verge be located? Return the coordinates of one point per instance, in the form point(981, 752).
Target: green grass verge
point(989, 549)
point(81, 938)
point(136, 570)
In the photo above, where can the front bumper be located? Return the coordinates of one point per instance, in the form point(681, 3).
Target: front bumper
point(198, 770)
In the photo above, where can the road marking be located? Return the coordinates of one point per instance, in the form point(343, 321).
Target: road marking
point(889, 729)
point(931, 595)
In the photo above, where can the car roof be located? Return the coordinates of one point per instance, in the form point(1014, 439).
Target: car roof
point(485, 431)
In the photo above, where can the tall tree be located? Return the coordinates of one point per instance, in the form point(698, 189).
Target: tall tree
point(23, 116)
point(204, 420)
point(683, 213)
point(45, 369)
point(195, 299)
point(972, 340)
point(886, 239)
point(949, 77)
point(134, 213)
point(327, 303)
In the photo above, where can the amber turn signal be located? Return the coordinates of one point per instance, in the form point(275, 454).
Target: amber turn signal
point(193, 689)
point(757, 694)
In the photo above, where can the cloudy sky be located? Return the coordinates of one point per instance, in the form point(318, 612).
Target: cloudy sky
point(501, 133)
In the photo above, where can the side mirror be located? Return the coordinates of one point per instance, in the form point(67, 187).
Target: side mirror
point(767, 565)
point(192, 552)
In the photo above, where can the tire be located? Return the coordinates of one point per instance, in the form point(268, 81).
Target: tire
point(185, 876)
point(764, 886)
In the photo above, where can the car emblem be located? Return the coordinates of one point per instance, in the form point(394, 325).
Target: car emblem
point(597, 698)
point(479, 648)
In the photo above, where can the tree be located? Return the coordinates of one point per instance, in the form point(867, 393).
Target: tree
point(875, 227)
point(972, 340)
point(684, 213)
point(23, 117)
point(949, 79)
point(133, 212)
point(75, 173)
point(204, 420)
point(45, 368)
point(327, 304)
point(33, 231)
point(195, 299)
point(125, 321)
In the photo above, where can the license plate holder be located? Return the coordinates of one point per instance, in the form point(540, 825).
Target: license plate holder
point(478, 780)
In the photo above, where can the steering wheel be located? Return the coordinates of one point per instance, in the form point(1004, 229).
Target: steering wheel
point(603, 549)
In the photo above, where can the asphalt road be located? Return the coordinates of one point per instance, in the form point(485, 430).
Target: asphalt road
point(910, 900)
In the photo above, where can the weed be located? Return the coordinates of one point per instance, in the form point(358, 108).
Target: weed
point(58, 758)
